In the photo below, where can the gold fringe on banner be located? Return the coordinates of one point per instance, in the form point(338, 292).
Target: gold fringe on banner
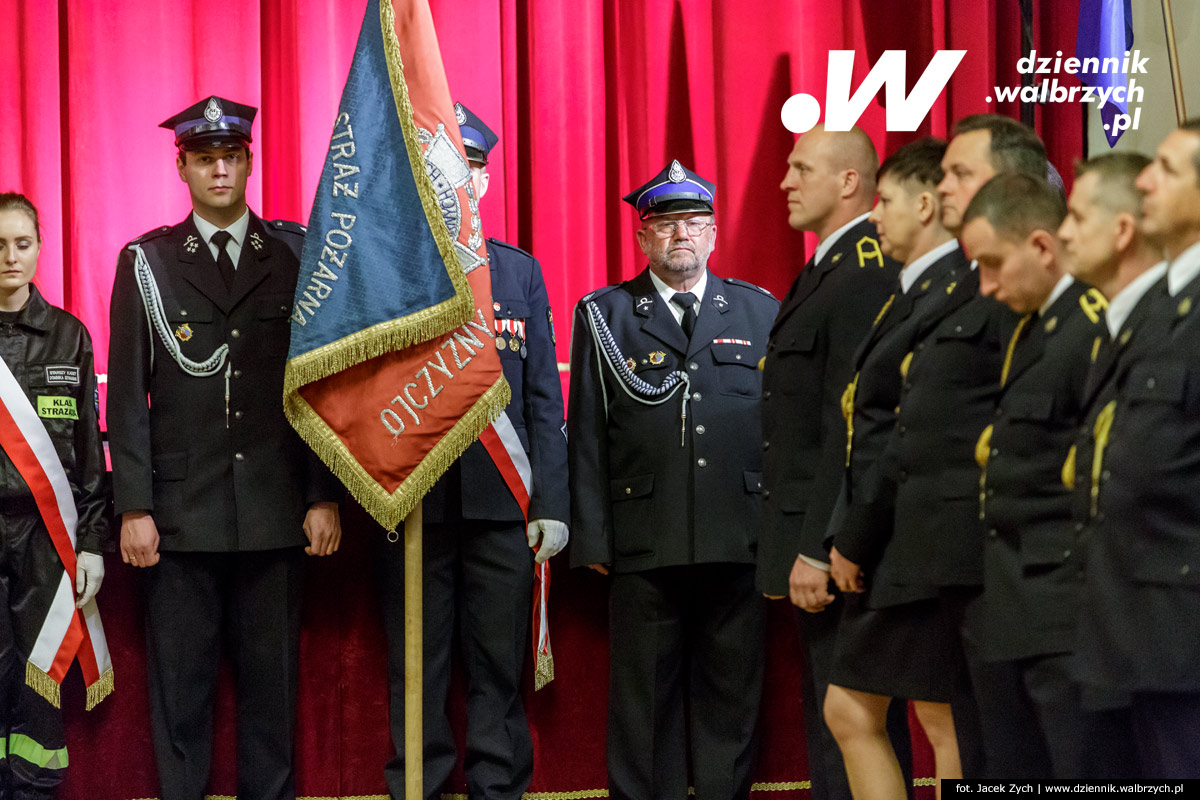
point(389, 510)
point(99, 690)
point(43, 684)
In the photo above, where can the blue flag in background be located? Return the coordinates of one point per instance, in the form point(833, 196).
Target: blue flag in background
point(1105, 31)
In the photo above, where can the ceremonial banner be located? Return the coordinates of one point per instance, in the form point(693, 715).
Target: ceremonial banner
point(1105, 32)
point(393, 371)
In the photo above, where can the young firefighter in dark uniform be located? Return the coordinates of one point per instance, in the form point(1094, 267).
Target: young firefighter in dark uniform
point(47, 355)
point(478, 564)
point(219, 497)
point(1139, 630)
point(666, 478)
point(1108, 250)
point(892, 644)
point(1030, 594)
point(830, 186)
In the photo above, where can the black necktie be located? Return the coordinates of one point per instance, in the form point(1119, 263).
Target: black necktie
point(224, 262)
point(686, 301)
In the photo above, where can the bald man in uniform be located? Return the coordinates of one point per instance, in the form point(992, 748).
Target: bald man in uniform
point(830, 187)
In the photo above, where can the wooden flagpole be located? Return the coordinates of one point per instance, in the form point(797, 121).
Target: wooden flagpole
point(1173, 57)
point(413, 658)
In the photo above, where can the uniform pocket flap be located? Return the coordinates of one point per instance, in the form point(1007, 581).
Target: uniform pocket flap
point(1157, 381)
point(511, 309)
point(170, 467)
point(274, 306)
point(803, 341)
point(963, 329)
point(753, 482)
point(178, 316)
point(729, 353)
point(1036, 407)
point(630, 488)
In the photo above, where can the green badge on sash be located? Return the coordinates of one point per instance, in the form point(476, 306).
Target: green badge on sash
point(55, 407)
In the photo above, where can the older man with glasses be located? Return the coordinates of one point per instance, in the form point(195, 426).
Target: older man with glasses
point(666, 480)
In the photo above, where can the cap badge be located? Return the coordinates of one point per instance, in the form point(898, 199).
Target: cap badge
point(459, 114)
point(256, 241)
point(657, 357)
point(183, 332)
point(213, 111)
point(677, 175)
point(191, 243)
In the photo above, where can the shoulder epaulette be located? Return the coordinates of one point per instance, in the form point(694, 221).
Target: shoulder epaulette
point(748, 285)
point(598, 293)
point(508, 246)
point(286, 225)
point(154, 234)
point(1093, 303)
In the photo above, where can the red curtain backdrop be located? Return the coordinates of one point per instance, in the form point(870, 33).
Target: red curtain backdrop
point(590, 99)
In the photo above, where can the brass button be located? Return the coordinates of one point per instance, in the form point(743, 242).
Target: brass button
point(237, 415)
point(628, 490)
point(235, 333)
point(237, 373)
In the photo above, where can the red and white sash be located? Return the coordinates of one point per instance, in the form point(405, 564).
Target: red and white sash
point(502, 443)
point(67, 632)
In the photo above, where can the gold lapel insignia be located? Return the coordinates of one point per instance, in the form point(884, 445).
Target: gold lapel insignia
point(1185, 306)
point(256, 241)
point(836, 258)
point(657, 357)
point(1051, 324)
point(1095, 349)
point(951, 287)
point(926, 284)
point(183, 332)
point(1124, 340)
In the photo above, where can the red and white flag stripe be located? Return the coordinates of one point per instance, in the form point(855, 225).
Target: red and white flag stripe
point(67, 632)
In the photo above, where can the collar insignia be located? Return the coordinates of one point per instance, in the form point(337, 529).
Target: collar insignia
point(836, 258)
point(1051, 324)
point(1185, 306)
point(1125, 336)
point(256, 241)
point(926, 284)
point(191, 243)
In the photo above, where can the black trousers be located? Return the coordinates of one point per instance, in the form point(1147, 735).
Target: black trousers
point(31, 729)
point(477, 573)
point(250, 602)
point(827, 771)
point(685, 678)
point(1167, 730)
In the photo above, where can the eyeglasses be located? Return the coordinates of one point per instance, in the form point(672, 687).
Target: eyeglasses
point(667, 228)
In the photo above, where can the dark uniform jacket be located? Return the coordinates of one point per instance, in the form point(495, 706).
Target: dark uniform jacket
point(880, 365)
point(1140, 624)
point(216, 474)
point(1030, 597)
point(930, 534)
point(822, 320)
point(50, 354)
point(650, 487)
point(536, 410)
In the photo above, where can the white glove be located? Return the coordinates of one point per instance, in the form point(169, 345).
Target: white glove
point(89, 574)
point(551, 533)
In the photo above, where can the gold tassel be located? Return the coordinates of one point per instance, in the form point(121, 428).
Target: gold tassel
point(848, 413)
point(99, 690)
point(1068, 469)
point(1100, 432)
point(543, 672)
point(983, 447)
point(43, 684)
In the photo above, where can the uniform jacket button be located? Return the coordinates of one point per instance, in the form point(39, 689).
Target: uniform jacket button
point(699, 429)
point(235, 333)
point(697, 397)
point(237, 373)
point(238, 457)
point(702, 462)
